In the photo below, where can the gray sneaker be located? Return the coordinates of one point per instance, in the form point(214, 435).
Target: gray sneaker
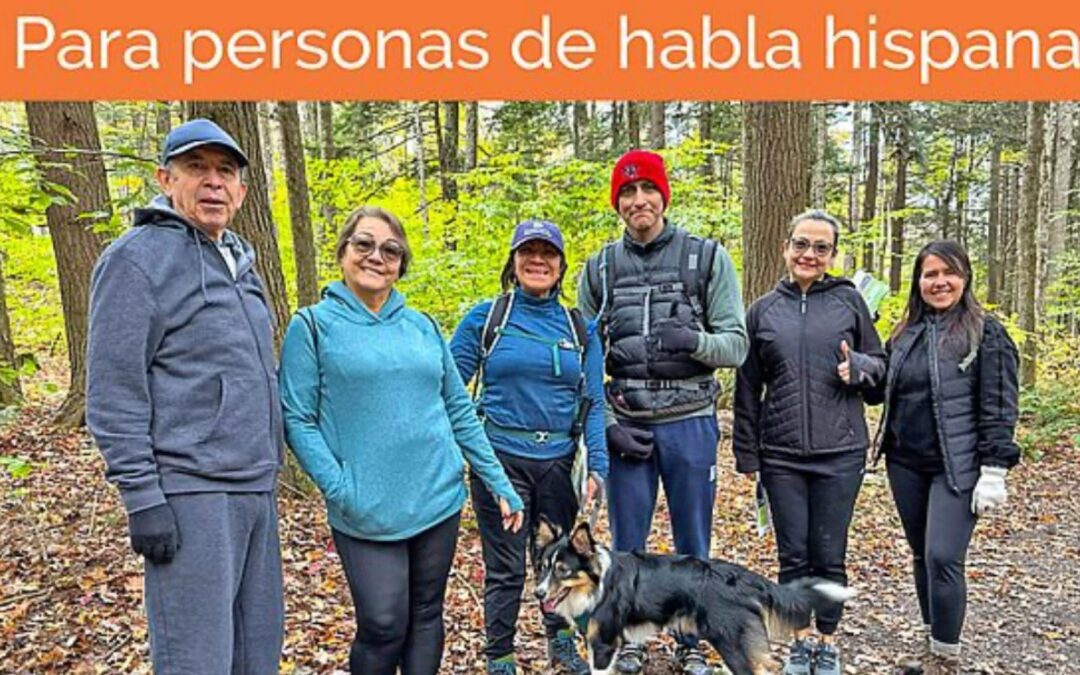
point(826, 660)
point(692, 661)
point(631, 659)
point(799, 656)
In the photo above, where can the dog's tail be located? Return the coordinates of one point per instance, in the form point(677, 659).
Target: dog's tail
point(789, 605)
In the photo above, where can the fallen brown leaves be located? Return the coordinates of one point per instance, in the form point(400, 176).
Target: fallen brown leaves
point(71, 588)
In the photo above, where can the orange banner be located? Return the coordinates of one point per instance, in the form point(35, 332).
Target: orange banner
point(559, 49)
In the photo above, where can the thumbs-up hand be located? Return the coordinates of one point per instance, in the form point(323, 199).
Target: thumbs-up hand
point(844, 369)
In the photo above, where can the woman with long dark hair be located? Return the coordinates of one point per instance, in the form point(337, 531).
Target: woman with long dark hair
point(950, 413)
point(799, 419)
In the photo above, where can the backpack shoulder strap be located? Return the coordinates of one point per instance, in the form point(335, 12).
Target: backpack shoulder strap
point(579, 328)
point(494, 324)
point(308, 317)
point(695, 265)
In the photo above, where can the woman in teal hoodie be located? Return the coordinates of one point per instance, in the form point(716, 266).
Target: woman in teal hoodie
point(377, 414)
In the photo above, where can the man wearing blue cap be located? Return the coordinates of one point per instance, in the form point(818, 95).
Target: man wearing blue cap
point(182, 400)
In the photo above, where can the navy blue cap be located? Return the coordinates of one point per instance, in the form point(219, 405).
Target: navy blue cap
point(537, 229)
point(197, 133)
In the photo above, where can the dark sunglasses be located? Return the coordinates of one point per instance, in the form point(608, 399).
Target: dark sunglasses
point(800, 245)
point(390, 250)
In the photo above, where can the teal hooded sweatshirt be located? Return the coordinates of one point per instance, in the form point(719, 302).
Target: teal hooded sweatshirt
point(380, 418)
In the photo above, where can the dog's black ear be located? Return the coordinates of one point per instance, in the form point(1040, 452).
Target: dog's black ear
point(582, 541)
point(546, 532)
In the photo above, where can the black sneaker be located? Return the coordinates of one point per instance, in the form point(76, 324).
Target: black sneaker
point(562, 652)
point(692, 661)
point(631, 659)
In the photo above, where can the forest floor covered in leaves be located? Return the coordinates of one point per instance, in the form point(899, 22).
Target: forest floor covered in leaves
point(70, 587)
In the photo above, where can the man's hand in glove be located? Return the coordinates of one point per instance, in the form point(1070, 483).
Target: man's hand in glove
point(629, 442)
point(154, 533)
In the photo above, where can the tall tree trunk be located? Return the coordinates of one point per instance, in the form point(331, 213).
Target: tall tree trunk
point(616, 126)
point(820, 131)
point(292, 141)
point(705, 134)
point(633, 125)
point(1028, 227)
point(10, 392)
point(1010, 224)
point(266, 136)
point(1059, 199)
point(163, 120)
point(873, 167)
point(253, 221)
point(309, 120)
point(579, 125)
point(993, 246)
point(54, 126)
point(899, 203)
point(472, 134)
point(326, 130)
point(421, 167)
point(657, 126)
point(448, 149)
point(776, 186)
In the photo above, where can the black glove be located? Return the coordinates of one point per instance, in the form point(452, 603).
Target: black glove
point(154, 533)
point(673, 338)
point(629, 442)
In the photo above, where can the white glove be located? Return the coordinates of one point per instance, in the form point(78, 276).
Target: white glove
point(990, 491)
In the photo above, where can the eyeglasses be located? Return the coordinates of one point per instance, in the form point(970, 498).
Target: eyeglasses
point(390, 250)
point(800, 245)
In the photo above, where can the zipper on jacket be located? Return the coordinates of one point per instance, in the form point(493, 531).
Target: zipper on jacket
point(803, 376)
point(259, 350)
point(935, 396)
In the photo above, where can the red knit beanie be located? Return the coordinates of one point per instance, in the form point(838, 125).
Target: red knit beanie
point(639, 165)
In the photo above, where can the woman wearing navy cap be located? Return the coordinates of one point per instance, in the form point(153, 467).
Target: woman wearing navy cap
point(539, 387)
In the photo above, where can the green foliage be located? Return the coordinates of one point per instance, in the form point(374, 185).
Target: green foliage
point(1050, 417)
point(16, 467)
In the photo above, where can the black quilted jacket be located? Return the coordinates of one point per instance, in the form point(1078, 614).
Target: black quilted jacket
point(788, 396)
point(975, 400)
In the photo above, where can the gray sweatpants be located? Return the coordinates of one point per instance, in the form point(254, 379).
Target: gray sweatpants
point(218, 607)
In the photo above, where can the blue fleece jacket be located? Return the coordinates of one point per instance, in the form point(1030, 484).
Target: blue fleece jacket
point(379, 418)
point(523, 389)
point(181, 391)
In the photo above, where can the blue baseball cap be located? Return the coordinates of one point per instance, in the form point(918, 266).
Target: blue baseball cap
point(197, 133)
point(537, 229)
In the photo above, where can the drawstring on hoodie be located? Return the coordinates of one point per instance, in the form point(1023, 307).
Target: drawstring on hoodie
point(202, 267)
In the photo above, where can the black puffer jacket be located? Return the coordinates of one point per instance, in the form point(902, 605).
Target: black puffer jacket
point(975, 400)
point(789, 397)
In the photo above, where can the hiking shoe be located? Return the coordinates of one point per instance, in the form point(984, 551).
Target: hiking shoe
point(502, 666)
point(799, 656)
point(826, 660)
point(631, 659)
point(562, 652)
point(692, 661)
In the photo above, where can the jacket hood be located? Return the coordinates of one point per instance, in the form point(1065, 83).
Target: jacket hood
point(346, 305)
point(160, 213)
point(823, 285)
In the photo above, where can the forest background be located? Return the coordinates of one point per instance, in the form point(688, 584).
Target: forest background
point(1002, 178)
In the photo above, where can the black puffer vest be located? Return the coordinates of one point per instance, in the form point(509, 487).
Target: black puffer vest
point(648, 286)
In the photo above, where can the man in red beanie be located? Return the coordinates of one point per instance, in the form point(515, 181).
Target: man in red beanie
point(669, 306)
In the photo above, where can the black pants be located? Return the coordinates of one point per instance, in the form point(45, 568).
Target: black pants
point(546, 489)
point(812, 502)
point(397, 590)
point(938, 524)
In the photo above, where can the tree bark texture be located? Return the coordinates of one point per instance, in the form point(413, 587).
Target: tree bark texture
point(53, 127)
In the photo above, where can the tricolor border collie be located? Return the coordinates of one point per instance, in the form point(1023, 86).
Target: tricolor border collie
point(619, 597)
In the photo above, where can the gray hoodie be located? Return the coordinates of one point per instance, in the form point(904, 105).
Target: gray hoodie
point(181, 385)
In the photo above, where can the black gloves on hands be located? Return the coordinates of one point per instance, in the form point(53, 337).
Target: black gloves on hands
point(674, 338)
point(154, 533)
point(629, 442)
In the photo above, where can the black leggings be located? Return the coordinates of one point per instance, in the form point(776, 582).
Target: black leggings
point(397, 590)
point(546, 489)
point(938, 524)
point(812, 502)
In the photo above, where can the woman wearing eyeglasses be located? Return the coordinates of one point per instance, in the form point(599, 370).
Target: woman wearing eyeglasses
point(540, 375)
point(377, 414)
point(799, 424)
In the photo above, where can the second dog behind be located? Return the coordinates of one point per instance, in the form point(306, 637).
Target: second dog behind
point(626, 597)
